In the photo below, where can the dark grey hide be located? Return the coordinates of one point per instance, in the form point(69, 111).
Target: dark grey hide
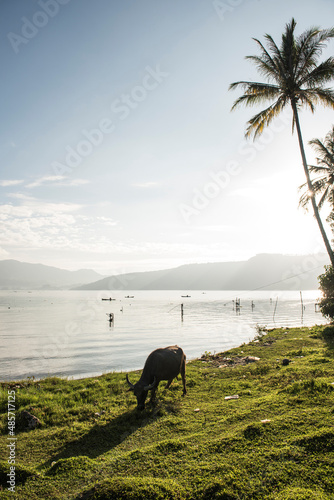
point(162, 364)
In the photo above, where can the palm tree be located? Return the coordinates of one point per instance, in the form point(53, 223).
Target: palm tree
point(323, 184)
point(294, 77)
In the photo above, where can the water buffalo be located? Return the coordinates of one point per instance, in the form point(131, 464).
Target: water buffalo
point(162, 364)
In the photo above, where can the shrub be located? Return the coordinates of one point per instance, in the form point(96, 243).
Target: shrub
point(326, 282)
point(328, 335)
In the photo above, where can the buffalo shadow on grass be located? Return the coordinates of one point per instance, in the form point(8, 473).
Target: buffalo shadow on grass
point(102, 438)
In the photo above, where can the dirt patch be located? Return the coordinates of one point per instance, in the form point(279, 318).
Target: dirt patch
point(221, 361)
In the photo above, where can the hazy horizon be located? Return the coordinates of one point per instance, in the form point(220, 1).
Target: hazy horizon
point(119, 152)
point(307, 264)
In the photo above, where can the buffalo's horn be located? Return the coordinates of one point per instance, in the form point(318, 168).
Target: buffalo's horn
point(151, 386)
point(128, 381)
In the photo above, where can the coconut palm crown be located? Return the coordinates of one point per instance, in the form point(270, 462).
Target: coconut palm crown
point(293, 77)
point(323, 184)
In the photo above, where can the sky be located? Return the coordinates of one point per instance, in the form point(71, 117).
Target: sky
point(118, 148)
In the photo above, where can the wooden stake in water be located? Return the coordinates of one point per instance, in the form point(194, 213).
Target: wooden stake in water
point(301, 302)
point(275, 309)
point(181, 312)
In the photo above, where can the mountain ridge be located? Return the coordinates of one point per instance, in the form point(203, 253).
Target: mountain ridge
point(15, 274)
point(263, 271)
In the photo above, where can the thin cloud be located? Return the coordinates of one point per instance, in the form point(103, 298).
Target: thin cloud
point(107, 221)
point(45, 180)
point(20, 196)
point(74, 182)
point(41, 206)
point(11, 182)
point(56, 180)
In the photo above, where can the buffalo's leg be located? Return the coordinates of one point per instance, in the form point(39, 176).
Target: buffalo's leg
point(152, 398)
point(168, 383)
point(183, 375)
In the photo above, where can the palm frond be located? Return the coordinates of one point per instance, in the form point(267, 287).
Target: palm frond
point(305, 99)
point(311, 44)
point(325, 150)
point(322, 168)
point(288, 51)
point(254, 93)
point(265, 67)
point(323, 198)
point(277, 57)
point(319, 186)
point(319, 75)
point(261, 120)
point(323, 185)
point(304, 200)
point(266, 57)
point(320, 95)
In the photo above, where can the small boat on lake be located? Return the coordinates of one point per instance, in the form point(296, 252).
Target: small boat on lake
point(108, 299)
point(185, 296)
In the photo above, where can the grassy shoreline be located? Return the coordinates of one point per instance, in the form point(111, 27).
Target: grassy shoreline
point(275, 441)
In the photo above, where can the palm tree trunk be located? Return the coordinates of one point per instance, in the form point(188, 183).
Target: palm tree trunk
point(309, 184)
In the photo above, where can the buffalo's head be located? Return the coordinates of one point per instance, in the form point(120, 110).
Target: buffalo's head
point(140, 390)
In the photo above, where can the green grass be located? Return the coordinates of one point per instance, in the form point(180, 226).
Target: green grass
point(276, 441)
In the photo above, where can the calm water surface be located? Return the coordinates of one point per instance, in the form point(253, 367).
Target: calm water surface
point(67, 333)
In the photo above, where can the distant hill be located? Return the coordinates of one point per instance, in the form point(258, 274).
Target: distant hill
point(264, 271)
point(22, 276)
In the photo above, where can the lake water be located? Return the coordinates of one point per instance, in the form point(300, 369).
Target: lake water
point(68, 334)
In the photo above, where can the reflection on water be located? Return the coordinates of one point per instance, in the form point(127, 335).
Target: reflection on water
point(69, 333)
